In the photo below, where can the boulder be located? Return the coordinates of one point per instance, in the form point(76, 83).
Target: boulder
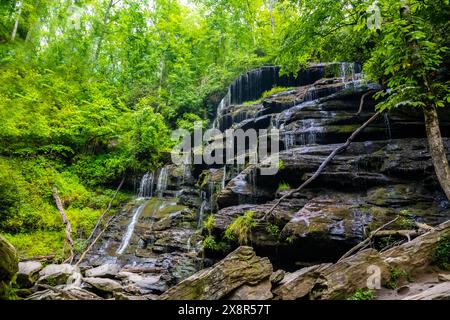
point(298, 284)
point(240, 267)
point(261, 291)
point(56, 274)
point(28, 273)
point(8, 265)
point(342, 279)
point(144, 283)
point(103, 285)
point(438, 292)
point(103, 271)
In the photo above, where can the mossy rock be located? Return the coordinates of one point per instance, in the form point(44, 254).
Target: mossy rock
point(9, 265)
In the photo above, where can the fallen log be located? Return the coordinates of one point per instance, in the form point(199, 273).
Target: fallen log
point(83, 255)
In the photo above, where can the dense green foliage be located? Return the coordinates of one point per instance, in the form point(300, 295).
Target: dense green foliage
point(441, 253)
point(362, 294)
point(90, 90)
point(404, 45)
point(395, 276)
point(240, 228)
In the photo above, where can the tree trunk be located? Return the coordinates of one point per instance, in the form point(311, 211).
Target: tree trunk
point(16, 23)
point(437, 150)
point(34, 23)
point(270, 4)
point(102, 34)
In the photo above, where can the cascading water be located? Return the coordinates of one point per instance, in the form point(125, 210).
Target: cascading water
point(311, 94)
point(146, 186)
point(211, 188)
point(289, 140)
point(130, 229)
point(201, 211)
point(162, 182)
point(224, 177)
point(387, 123)
point(254, 83)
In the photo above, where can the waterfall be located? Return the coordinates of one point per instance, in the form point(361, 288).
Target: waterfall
point(251, 85)
point(162, 181)
point(252, 178)
point(202, 210)
point(224, 177)
point(186, 172)
point(130, 229)
point(146, 186)
point(344, 72)
point(387, 123)
point(188, 245)
point(311, 94)
point(346, 69)
point(289, 140)
point(211, 188)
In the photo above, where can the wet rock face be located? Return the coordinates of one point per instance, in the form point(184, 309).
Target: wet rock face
point(386, 171)
point(362, 189)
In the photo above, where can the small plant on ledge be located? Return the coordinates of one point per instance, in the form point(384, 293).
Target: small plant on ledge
point(240, 229)
point(283, 187)
point(362, 294)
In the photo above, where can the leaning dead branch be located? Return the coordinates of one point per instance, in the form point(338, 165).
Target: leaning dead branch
point(66, 222)
point(83, 255)
point(98, 224)
point(324, 164)
point(100, 219)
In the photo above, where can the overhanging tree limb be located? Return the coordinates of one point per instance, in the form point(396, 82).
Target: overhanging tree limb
point(324, 163)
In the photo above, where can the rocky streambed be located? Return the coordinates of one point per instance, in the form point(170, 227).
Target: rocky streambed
point(171, 242)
